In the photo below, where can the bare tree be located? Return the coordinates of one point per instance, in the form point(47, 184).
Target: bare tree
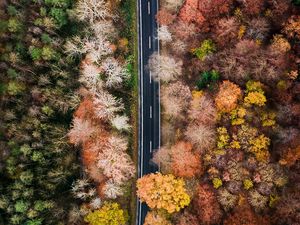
point(115, 73)
point(164, 68)
point(112, 190)
point(97, 48)
point(175, 99)
point(116, 165)
point(173, 5)
point(106, 105)
point(81, 131)
point(203, 137)
point(74, 46)
point(90, 76)
point(164, 34)
point(93, 10)
point(104, 28)
point(121, 122)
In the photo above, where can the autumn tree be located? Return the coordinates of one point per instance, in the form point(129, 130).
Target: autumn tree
point(206, 205)
point(175, 99)
point(108, 214)
point(244, 215)
point(81, 131)
point(172, 5)
point(292, 27)
point(115, 163)
point(185, 163)
point(227, 31)
point(162, 192)
point(164, 17)
point(227, 97)
point(164, 68)
point(202, 110)
point(187, 219)
point(190, 13)
point(156, 218)
point(164, 34)
point(92, 10)
point(201, 136)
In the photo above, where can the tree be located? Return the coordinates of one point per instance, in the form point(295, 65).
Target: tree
point(116, 165)
point(207, 48)
point(253, 7)
point(121, 122)
point(172, 5)
point(244, 215)
point(175, 98)
point(162, 158)
point(164, 34)
point(227, 97)
point(183, 30)
point(187, 219)
point(163, 17)
point(106, 105)
point(114, 72)
point(155, 218)
point(81, 131)
point(202, 110)
point(190, 13)
point(109, 214)
point(201, 136)
point(162, 192)
point(92, 10)
point(164, 68)
point(90, 76)
point(226, 31)
point(292, 27)
point(206, 205)
point(185, 163)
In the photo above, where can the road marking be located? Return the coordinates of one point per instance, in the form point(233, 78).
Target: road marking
point(149, 42)
point(150, 111)
point(150, 146)
point(149, 11)
point(150, 76)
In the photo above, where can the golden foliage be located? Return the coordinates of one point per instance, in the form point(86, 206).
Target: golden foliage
point(109, 214)
point(163, 192)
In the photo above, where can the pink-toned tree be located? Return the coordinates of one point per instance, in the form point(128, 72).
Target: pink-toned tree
point(185, 163)
point(164, 17)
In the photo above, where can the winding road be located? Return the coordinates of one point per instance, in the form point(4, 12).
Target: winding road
point(149, 95)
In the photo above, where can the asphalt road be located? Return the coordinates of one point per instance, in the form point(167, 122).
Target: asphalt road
point(149, 92)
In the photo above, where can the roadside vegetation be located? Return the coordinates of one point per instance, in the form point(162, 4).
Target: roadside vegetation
point(231, 107)
point(68, 112)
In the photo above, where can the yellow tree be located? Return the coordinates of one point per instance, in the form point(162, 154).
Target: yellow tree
point(108, 214)
point(163, 192)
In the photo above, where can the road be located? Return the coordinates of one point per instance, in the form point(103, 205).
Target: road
point(149, 94)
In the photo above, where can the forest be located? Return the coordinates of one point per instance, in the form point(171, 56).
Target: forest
point(67, 103)
point(230, 96)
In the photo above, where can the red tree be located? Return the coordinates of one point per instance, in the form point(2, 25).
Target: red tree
point(163, 17)
point(206, 205)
